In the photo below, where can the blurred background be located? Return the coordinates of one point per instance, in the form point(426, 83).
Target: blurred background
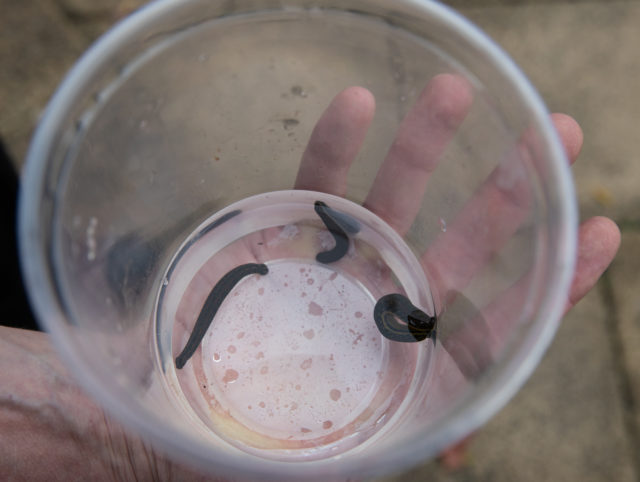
point(578, 417)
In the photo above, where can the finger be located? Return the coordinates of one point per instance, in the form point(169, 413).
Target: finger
point(599, 240)
point(570, 135)
point(396, 194)
point(335, 142)
point(456, 456)
point(491, 216)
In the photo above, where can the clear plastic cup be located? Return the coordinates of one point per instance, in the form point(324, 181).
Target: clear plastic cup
point(168, 158)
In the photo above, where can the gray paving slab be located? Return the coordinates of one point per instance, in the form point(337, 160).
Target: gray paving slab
point(84, 9)
point(624, 291)
point(37, 46)
point(39, 41)
point(583, 59)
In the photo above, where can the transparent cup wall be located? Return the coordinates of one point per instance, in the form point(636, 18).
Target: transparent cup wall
point(190, 106)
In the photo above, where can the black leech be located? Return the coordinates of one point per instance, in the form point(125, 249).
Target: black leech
point(390, 308)
point(338, 233)
point(211, 305)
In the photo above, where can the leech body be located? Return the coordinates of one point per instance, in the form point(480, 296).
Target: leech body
point(212, 304)
point(339, 235)
point(389, 308)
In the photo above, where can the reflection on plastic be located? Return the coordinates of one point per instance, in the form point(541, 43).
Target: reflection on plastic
point(463, 332)
point(131, 259)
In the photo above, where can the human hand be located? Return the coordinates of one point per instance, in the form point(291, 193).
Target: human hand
point(455, 257)
point(94, 445)
point(419, 143)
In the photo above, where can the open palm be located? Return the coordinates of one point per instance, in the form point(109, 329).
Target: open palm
point(32, 376)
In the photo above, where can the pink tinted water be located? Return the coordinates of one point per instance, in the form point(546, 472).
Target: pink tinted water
point(292, 365)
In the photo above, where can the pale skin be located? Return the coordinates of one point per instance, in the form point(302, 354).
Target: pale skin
point(51, 430)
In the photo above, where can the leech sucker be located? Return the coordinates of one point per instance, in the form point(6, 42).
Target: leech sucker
point(419, 326)
point(211, 305)
point(338, 233)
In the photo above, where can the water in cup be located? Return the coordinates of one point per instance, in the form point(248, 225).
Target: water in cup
point(291, 365)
